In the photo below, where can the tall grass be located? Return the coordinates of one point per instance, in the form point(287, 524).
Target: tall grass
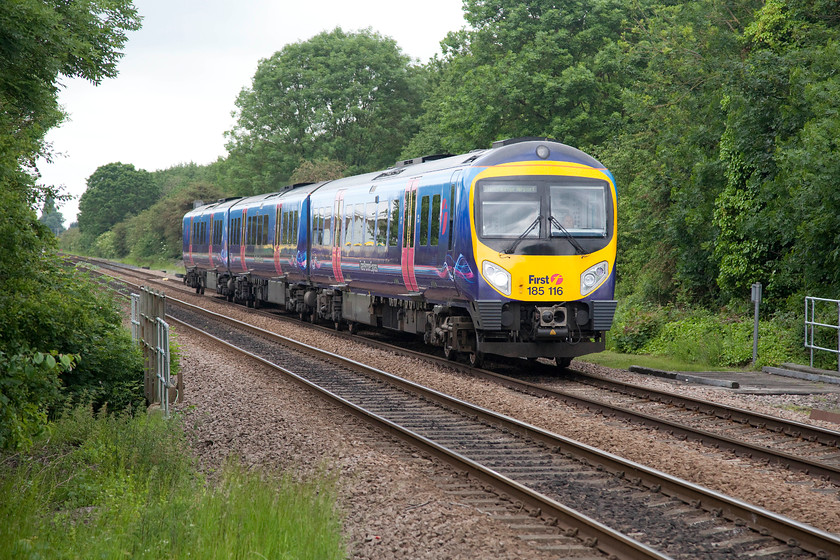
point(117, 487)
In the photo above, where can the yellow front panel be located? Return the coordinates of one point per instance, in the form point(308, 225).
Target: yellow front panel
point(538, 277)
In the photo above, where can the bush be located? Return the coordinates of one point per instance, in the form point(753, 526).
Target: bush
point(700, 337)
point(29, 386)
point(635, 326)
point(61, 311)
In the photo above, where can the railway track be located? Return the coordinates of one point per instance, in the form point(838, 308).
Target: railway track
point(800, 447)
point(793, 445)
point(562, 482)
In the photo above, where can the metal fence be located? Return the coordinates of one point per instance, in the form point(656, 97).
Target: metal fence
point(817, 313)
point(151, 332)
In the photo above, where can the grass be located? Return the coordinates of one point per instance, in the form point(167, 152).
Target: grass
point(120, 486)
point(624, 361)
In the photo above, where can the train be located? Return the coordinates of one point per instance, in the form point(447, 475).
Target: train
point(505, 251)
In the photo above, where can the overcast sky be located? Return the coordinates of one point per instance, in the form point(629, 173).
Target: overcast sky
point(182, 72)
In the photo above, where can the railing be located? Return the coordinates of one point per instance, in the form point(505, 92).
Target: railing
point(812, 323)
point(151, 332)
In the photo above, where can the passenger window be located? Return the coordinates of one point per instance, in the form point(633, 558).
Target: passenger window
point(327, 227)
point(393, 223)
point(435, 219)
point(359, 225)
point(424, 221)
point(382, 224)
point(370, 224)
point(348, 225)
point(265, 230)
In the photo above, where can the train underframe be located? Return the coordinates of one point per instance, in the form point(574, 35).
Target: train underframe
point(513, 329)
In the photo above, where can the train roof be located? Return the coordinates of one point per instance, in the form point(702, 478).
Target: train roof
point(505, 151)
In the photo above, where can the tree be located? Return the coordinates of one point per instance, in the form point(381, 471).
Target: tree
point(51, 217)
point(320, 170)
point(528, 68)
point(778, 211)
point(115, 192)
point(42, 41)
point(348, 97)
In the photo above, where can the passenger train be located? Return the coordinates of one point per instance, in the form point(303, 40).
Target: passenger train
point(507, 251)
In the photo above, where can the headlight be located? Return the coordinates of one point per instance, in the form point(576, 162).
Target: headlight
point(496, 276)
point(592, 277)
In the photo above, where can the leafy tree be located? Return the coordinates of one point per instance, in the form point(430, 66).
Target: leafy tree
point(156, 232)
point(114, 192)
point(320, 170)
point(532, 68)
point(778, 212)
point(666, 157)
point(51, 217)
point(41, 41)
point(348, 97)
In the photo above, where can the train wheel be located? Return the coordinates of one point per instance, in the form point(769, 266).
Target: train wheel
point(563, 363)
point(230, 297)
point(202, 290)
point(450, 353)
point(476, 359)
point(353, 327)
point(337, 325)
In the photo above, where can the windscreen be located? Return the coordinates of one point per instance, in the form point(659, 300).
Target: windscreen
point(581, 210)
point(509, 210)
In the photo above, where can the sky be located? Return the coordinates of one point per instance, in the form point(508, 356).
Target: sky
point(178, 81)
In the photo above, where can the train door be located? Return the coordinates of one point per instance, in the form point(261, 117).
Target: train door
point(189, 235)
point(275, 239)
point(429, 252)
point(409, 225)
point(448, 212)
point(243, 240)
point(338, 227)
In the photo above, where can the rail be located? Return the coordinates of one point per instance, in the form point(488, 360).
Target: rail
point(811, 324)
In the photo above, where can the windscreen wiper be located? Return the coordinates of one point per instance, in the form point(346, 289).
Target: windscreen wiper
point(578, 248)
point(524, 234)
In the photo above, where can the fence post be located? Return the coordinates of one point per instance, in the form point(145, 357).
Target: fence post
point(756, 298)
point(162, 350)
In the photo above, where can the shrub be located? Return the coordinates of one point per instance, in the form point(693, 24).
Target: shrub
point(634, 327)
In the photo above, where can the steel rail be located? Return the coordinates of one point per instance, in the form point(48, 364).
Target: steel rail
point(742, 416)
point(816, 541)
point(602, 537)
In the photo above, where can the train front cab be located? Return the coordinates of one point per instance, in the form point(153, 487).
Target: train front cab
point(543, 231)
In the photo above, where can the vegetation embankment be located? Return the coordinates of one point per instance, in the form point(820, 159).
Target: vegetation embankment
point(117, 485)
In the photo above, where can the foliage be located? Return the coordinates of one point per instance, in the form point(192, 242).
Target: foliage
point(29, 386)
point(700, 337)
point(114, 192)
point(113, 486)
point(156, 232)
point(44, 312)
point(51, 217)
point(41, 41)
point(347, 97)
point(319, 170)
point(71, 241)
point(532, 68)
point(67, 313)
